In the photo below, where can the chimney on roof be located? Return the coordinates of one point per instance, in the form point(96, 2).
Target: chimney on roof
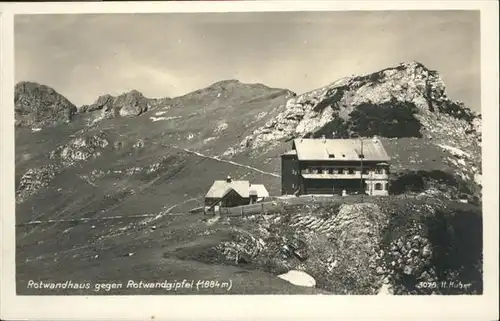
point(375, 139)
point(228, 179)
point(323, 137)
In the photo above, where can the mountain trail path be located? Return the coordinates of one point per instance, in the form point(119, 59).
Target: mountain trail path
point(226, 161)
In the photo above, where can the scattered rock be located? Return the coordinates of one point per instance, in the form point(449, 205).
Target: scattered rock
point(34, 179)
point(385, 289)
point(139, 144)
point(426, 251)
point(80, 149)
point(221, 127)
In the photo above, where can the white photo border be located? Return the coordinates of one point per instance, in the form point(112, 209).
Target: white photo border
point(251, 307)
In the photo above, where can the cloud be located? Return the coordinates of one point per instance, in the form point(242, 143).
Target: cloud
point(83, 56)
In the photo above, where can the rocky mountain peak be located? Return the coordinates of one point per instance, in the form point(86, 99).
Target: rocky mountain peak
point(235, 84)
point(128, 104)
point(414, 65)
point(401, 101)
point(37, 105)
point(226, 82)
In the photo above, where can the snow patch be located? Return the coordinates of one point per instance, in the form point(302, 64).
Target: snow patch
point(190, 136)
point(209, 139)
point(35, 129)
point(159, 113)
point(163, 118)
point(298, 278)
point(455, 151)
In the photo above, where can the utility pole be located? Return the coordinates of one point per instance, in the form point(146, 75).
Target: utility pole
point(361, 180)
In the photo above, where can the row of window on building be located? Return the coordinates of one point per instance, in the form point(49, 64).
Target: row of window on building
point(377, 186)
point(336, 170)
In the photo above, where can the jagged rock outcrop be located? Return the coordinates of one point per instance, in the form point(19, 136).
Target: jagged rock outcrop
point(243, 248)
point(34, 179)
point(129, 104)
point(104, 101)
point(38, 106)
point(80, 149)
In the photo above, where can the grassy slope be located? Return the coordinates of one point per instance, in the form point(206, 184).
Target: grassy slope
point(152, 259)
point(68, 250)
point(65, 247)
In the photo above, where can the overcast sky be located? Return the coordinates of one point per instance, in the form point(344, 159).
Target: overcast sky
point(84, 56)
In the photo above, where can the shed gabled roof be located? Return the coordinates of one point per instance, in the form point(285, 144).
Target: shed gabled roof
point(340, 149)
point(260, 190)
point(220, 188)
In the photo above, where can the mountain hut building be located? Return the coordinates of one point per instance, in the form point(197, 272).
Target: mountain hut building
point(335, 166)
point(232, 193)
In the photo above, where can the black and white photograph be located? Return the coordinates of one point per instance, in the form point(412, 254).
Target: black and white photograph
point(329, 152)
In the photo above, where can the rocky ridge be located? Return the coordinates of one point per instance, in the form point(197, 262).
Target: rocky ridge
point(407, 83)
point(129, 104)
point(37, 106)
